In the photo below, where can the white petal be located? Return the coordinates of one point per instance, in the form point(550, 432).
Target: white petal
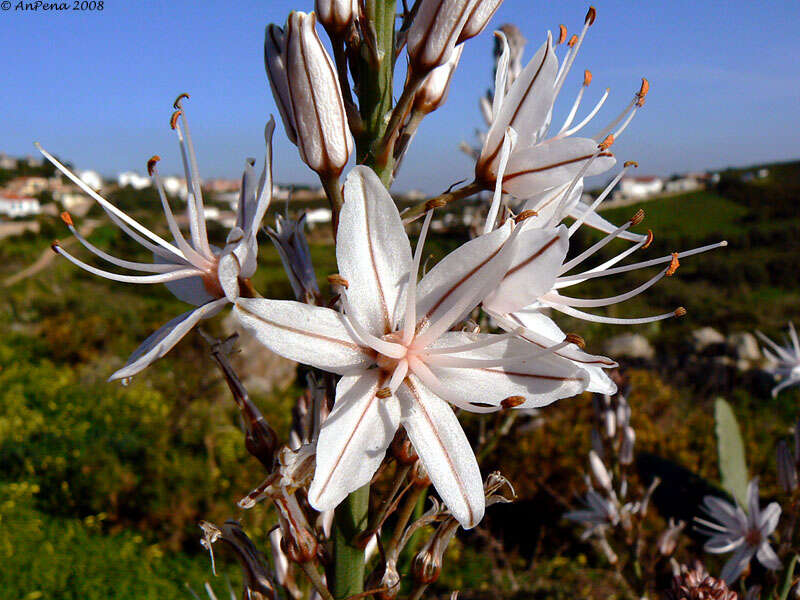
point(163, 339)
point(228, 271)
point(722, 543)
point(552, 163)
point(537, 258)
point(191, 290)
point(737, 563)
point(461, 280)
point(529, 100)
point(353, 439)
point(540, 381)
point(726, 513)
point(542, 331)
point(312, 335)
point(551, 205)
point(769, 517)
point(767, 557)
point(444, 451)
point(372, 251)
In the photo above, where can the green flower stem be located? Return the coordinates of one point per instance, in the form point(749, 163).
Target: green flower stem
point(375, 72)
point(349, 521)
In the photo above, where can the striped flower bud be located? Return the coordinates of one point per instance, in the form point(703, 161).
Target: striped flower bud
point(433, 92)
point(336, 15)
point(313, 108)
point(477, 20)
point(275, 65)
point(435, 30)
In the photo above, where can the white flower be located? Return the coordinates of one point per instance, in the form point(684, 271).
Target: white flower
point(746, 534)
point(785, 361)
point(192, 269)
point(600, 514)
point(399, 363)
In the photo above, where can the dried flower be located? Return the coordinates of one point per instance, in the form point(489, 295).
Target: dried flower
point(192, 269)
point(697, 584)
point(290, 240)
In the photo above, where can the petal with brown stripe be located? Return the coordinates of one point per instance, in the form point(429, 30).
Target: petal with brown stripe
point(313, 335)
point(353, 439)
point(444, 451)
point(372, 251)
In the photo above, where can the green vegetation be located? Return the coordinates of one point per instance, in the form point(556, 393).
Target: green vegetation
point(102, 486)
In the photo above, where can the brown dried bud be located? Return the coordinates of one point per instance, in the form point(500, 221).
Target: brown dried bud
point(697, 584)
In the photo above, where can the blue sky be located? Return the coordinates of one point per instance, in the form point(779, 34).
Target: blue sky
point(97, 88)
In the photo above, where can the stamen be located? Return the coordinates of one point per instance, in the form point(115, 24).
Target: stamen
point(446, 360)
point(576, 45)
point(179, 100)
point(389, 349)
point(195, 258)
point(579, 314)
point(575, 105)
point(494, 338)
point(410, 322)
point(580, 277)
point(607, 142)
point(591, 15)
point(588, 117)
point(174, 275)
point(572, 41)
point(587, 78)
point(580, 220)
point(399, 374)
point(525, 214)
point(509, 140)
point(512, 402)
point(383, 393)
point(637, 217)
point(125, 264)
point(574, 338)
point(114, 213)
point(562, 34)
point(571, 264)
point(673, 265)
point(594, 303)
point(337, 279)
point(782, 352)
point(643, 90)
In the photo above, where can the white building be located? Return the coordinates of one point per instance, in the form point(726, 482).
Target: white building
point(640, 187)
point(133, 179)
point(7, 162)
point(682, 184)
point(92, 178)
point(17, 206)
point(175, 186)
point(318, 216)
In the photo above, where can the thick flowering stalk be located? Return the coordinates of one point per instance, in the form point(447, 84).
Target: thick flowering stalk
point(784, 360)
point(747, 534)
point(399, 363)
point(193, 270)
point(306, 89)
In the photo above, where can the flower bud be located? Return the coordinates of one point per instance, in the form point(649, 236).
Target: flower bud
point(478, 18)
point(275, 65)
point(599, 471)
point(427, 565)
point(289, 238)
point(434, 31)
point(433, 92)
point(315, 99)
point(787, 472)
point(336, 15)
point(668, 540)
point(626, 448)
point(298, 542)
